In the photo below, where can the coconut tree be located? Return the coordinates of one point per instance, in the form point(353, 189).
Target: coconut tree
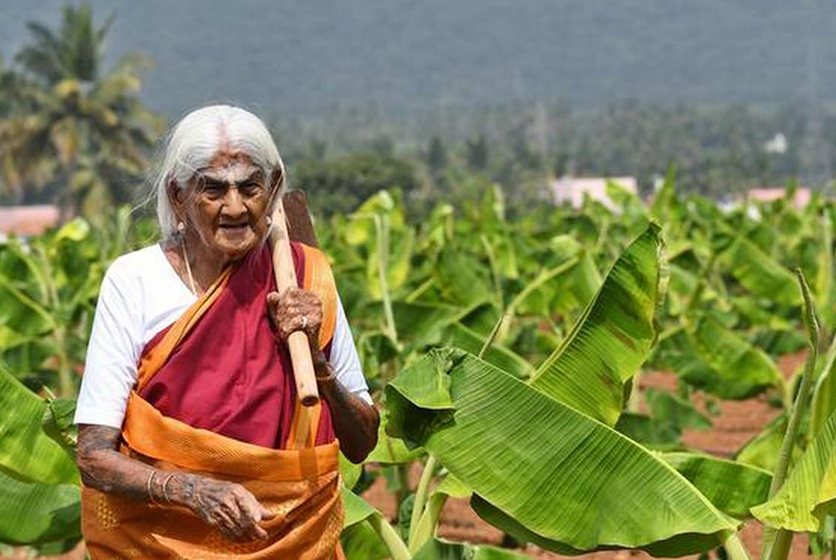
point(78, 130)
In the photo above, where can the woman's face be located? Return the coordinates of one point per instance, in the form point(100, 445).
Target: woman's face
point(225, 205)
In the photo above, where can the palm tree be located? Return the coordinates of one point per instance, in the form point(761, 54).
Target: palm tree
point(74, 129)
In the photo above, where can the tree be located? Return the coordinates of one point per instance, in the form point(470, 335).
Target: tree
point(436, 156)
point(75, 130)
point(339, 184)
point(477, 152)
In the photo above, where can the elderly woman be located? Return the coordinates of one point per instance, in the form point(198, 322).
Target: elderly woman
point(191, 440)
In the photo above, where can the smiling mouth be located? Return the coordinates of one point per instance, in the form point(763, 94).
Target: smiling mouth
point(234, 227)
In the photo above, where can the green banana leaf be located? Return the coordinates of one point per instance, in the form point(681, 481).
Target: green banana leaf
point(360, 542)
point(673, 410)
point(437, 549)
point(652, 433)
point(560, 474)
point(463, 280)
point(612, 338)
point(759, 273)
point(824, 397)
point(368, 530)
point(32, 513)
point(809, 493)
point(733, 488)
point(26, 451)
point(715, 359)
point(462, 337)
point(764, 449)
point(389, 450)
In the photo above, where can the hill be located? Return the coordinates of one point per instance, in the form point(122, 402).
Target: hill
point(299, 58)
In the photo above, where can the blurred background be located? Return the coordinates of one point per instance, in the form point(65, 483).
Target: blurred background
point(431, 97)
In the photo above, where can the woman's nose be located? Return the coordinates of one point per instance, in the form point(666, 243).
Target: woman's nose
point(234, 202)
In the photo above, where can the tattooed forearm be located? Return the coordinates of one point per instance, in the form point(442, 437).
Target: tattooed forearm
point(229, 507)
point(102, 466)
point(355, 421)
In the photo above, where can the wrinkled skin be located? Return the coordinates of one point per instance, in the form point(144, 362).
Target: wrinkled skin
point(224, 209)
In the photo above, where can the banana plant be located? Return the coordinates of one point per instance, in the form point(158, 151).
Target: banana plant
point(539, 457)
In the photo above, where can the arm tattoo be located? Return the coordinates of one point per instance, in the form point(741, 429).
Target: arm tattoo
point(355, 421)
point(104, 468)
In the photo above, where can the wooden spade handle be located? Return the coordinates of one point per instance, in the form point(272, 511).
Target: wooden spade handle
point(297, 342)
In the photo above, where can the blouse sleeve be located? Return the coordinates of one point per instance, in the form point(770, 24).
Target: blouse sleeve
point(345, 360)
point(112, 353)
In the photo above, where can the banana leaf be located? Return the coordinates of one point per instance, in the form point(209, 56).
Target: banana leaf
point(389, 450)
point(26, 451)
point(650, 432)
point(809, 493)
point(359, 518)
point(764, 449)
point(360, 542)
point(612, 338)
point(824, 397)
point(733, 488)
point(462, 337)
point(673, 410)
point(761, 274)
point(437, 549)
point(565, 477)
point(715, 359)
point(32, 513)
point(462, 279)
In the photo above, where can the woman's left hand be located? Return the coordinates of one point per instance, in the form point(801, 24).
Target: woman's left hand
point(294, 310)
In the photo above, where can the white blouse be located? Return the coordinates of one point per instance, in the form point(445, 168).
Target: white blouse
point(140, 296)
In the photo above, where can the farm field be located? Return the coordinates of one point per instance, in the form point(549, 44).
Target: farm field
point(516, 361)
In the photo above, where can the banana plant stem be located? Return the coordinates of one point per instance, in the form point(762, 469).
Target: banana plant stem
point(492, 337)
point(735, 549)
point(390, 538)
point(382, 264)
point(497, 280)
point(421, 496)
point(770, 547)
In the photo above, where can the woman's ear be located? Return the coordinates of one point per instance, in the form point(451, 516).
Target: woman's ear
point(177, 198)
point(176, 195)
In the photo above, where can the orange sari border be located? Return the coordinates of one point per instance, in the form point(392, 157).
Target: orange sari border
point(320, 280)
point(148, 432)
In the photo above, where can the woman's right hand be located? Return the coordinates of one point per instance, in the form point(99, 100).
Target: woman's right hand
point(226, 506)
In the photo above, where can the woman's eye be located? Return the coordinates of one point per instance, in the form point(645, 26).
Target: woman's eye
point(213, 190)
point(251, 188)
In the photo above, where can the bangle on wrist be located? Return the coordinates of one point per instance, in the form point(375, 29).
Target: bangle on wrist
point(165, 483)
point(148, 488)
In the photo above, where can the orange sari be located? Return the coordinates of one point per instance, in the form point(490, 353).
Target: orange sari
point(300, 484)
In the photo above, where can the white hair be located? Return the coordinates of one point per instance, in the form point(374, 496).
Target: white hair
point(196, 139)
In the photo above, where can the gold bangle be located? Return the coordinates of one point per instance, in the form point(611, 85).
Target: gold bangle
point(148, 488)
point(165, 483)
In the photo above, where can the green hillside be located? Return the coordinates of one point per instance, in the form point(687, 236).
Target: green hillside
point(298, 58)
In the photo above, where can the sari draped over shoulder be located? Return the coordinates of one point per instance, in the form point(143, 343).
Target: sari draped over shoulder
point(215, 396)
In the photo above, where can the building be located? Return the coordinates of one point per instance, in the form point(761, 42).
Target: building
point(573, 189)
point(801, 198)
point(26, 221)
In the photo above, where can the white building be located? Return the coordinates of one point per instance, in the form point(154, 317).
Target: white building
point(573, 189)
